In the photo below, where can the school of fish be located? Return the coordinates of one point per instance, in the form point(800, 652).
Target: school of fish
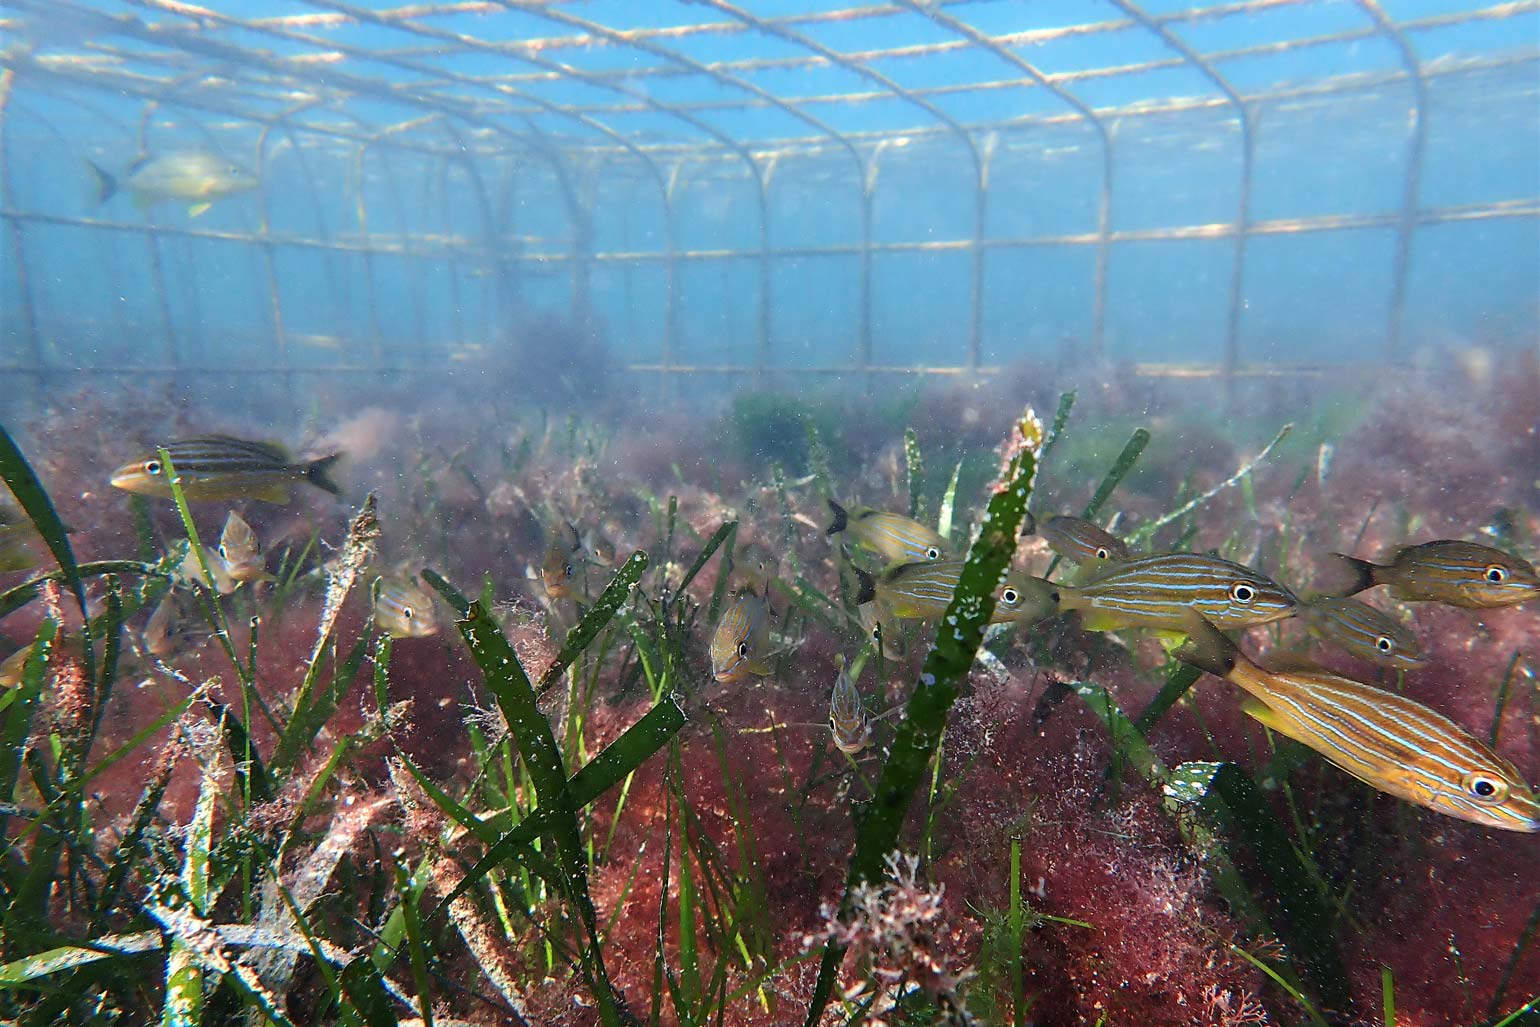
point(1398, 746)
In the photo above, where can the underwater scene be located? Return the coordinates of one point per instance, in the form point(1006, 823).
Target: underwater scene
point(599, 512)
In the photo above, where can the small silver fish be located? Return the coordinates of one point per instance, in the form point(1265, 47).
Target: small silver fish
point(167, 630)
point(190, 572)
point(194, 177)
point(880, 625)
point(847, 716)
point(240, 551)
point(403, 609)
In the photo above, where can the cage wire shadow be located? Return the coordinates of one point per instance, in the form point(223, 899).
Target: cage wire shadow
point(550, 112)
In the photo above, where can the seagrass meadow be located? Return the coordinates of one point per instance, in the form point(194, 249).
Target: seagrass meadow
point(548, 812)
point(770, 513)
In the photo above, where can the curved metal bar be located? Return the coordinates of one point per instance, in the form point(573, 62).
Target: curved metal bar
point(765, 323)
point(1104, 207)
point(1248, 155)
point(14, 234)
point(980, 162)
point(1411, 187)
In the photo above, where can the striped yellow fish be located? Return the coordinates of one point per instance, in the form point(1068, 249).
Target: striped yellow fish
point(1387, 741)
point(240, 551)
point(895, 538)
point(1157, 592)
point(847, 716)
point(740, 645)
point(922, 591)
point(222, 467)
point(1450, 571)
point(404, 609)
point(1080, 541)
point(1362, 630)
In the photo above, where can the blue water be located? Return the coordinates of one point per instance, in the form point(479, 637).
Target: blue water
point(1310, 297)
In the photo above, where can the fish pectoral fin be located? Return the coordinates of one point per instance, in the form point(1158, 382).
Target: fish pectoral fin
point(1100, 620)
point(761, 666)
point(1169, 640)
point(271, 494)
point(198, 209)
point(1263, 714)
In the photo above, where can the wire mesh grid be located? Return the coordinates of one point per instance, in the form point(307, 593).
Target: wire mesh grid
point(458, 158)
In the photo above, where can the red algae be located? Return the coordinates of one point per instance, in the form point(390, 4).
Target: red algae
point(1441, 902)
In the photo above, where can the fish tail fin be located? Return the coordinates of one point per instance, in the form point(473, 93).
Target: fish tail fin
point(106, 183)
point(1363, 572)
point(318, 473)
point(1207, 648)
point(1029, 525)
point(868, 587)
point(841, 519)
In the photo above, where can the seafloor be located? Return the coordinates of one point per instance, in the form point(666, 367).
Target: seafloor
point(1125, 926)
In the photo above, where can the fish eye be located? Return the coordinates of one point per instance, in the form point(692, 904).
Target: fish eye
point(1010, 596)
point(743, 650)
point(406, 611)
point(152, 467)
point(1101, 553)
point(222, 554)
point(567, 570)
point(932, 553)
point(1242, 592)
point(1384, 644)
point(1496, 574)
point(1485, 787)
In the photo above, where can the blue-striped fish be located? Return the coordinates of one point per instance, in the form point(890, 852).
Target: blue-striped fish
point(1157, 592)
point(740, 645)
point(222, 467)
point(847, 716)
point(404, 609)
point(240, 551)
point(1387, 741)
point(922, 591)
point(1450, 571)
point(1080, 541)
point(1361, 630)
point(895, 538)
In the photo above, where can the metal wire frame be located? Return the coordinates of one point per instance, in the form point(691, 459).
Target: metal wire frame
point(504, 99)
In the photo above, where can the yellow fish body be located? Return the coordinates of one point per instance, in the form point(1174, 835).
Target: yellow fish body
point(1387, 741)
point(923, 591)
point(1080, 541)
point(1361, 630)
point(223, 467)
point(895, 538)
point(740, 645)
point(404, 609)
point(1450, 571)
point(1158, 591)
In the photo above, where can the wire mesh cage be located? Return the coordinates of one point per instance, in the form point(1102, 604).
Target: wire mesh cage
point(886, 188)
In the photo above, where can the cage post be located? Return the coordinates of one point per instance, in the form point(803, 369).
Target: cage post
point(1104, 208)
point(855, 67)
point(1243, 205)
point(867, 177)
point(13, 231)
point(1411, 186)
point(270, 263)
point(670, 286)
